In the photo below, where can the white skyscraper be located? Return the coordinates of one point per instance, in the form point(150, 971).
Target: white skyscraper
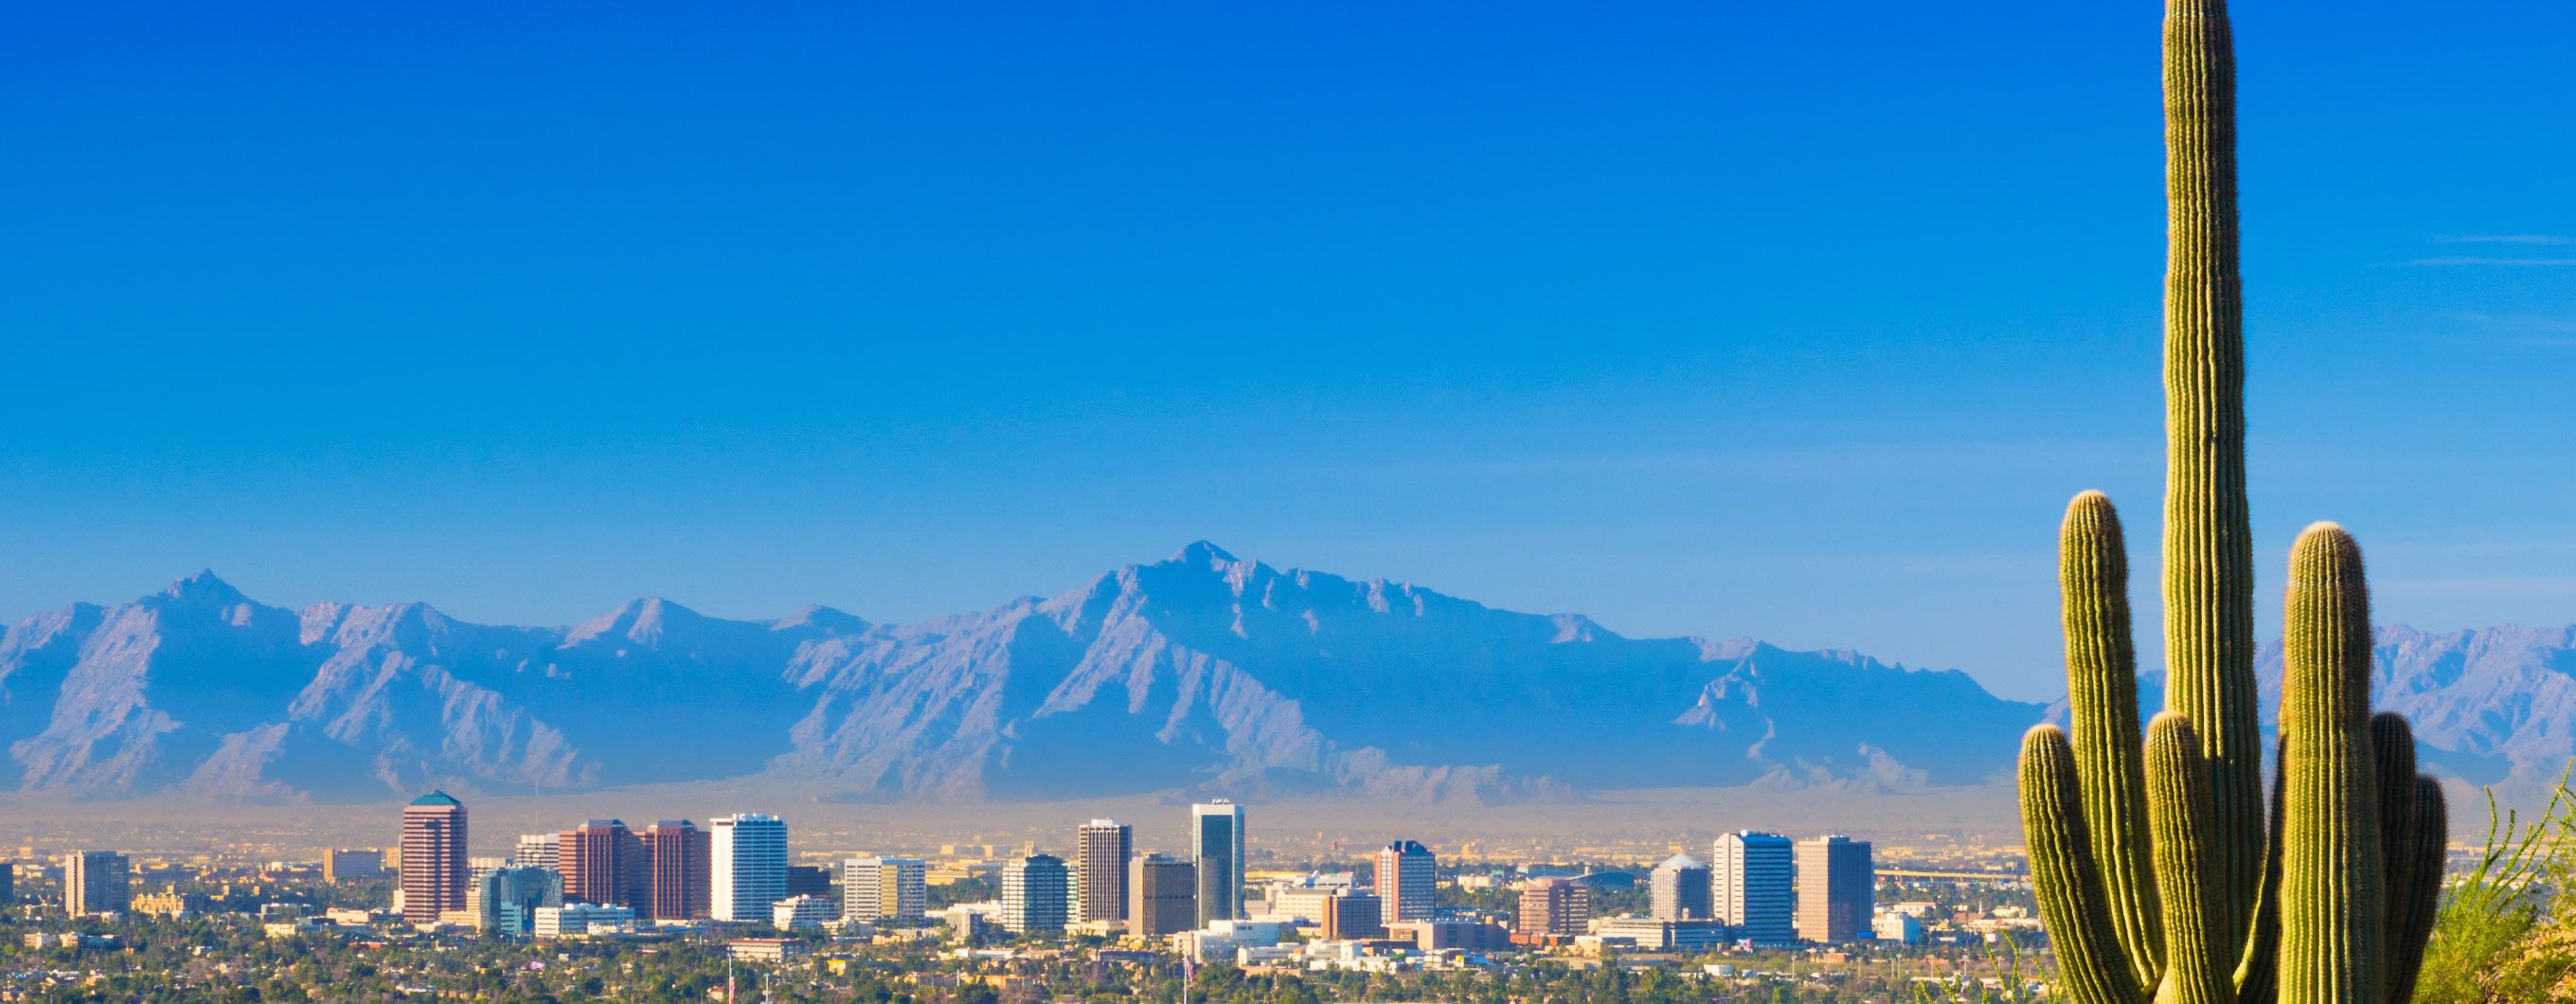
point(1034, 891)
point(1755, 879)
point(750, 858)
point(1216, 846)
point(1102, 848)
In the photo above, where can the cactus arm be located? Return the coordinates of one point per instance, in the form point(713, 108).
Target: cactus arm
point(2333, 916)
point(2258, 971)
point(2102, 688)
point(2072, 901)
point(2208, 551)
point(2417, 903)
point(2198, 967)
point(2392, 745)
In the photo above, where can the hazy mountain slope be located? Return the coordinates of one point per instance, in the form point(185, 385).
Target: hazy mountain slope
point(2490, 706)
point(1201, 673)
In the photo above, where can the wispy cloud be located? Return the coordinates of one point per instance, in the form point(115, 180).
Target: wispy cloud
point(2509, 262)
point(2524, 331)
point(2501, 239)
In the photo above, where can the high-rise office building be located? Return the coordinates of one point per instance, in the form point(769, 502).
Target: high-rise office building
point(433, 857)
point(537, 850)
point(8, 882)
point(602, 862)
point(809, 880)
point(1560, 907)
point(1102, 849)
point(1162, 896)
point(750, 866)
point(1680, 889)
point(1216, 847)
point(1408, 878)
point(874, 889)
point(505, 900)
point(96, 882)
point(1352, 916)
point(1034, 891)
point(1755, 877)
point(1837, 889)
point(679, 862)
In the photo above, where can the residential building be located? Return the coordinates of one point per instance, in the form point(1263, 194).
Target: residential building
point(874, 889)
point(603, 863)
point(166, 903)
point(1754, 883)
point(1560, 907)
point(350, 865)
point(750, 866)
point(1216, 847)
point(96, 882)
point(1837, 889)
point(1162, 896)
point(1680, 889)
point(1034, 892)
point(1408, 879)
point(505, 900)
point(1101, 852)
point(802, 910)
point(433, 857)
point(680, 870)
point(573, 920)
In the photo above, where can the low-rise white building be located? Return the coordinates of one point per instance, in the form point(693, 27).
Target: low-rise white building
point(573, 920)
point(802, 911)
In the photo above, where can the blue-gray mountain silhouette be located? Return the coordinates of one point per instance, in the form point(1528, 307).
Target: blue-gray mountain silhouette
point(1195, 675)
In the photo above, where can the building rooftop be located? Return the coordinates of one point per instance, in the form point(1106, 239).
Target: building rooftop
point(438, 798)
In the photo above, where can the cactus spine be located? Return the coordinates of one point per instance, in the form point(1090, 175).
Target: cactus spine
point(2160, 874)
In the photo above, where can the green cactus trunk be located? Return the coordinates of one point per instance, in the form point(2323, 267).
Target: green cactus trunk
point(2102, 681)
point(2185, 836)
point(2333, 907)
point(2073, 900)
point(2417, 903)
point(2208, 541)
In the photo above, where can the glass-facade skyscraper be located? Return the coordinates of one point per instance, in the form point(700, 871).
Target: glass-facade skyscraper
point(1216, 847)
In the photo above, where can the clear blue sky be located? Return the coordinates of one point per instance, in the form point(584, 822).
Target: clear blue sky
point(1797, 321)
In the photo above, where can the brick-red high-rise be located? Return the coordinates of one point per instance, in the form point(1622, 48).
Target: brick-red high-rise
point(678, 854)
point(433, 857)
point(602, 862)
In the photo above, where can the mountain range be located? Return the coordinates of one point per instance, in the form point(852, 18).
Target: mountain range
point(1202, 674)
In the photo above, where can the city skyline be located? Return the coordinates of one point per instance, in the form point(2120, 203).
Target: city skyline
point(1641, 430)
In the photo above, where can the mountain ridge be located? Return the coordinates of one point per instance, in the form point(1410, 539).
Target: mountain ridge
point(1202, 674)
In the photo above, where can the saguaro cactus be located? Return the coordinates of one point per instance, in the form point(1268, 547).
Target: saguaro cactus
point(2157, 873)
point(2334, 912)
